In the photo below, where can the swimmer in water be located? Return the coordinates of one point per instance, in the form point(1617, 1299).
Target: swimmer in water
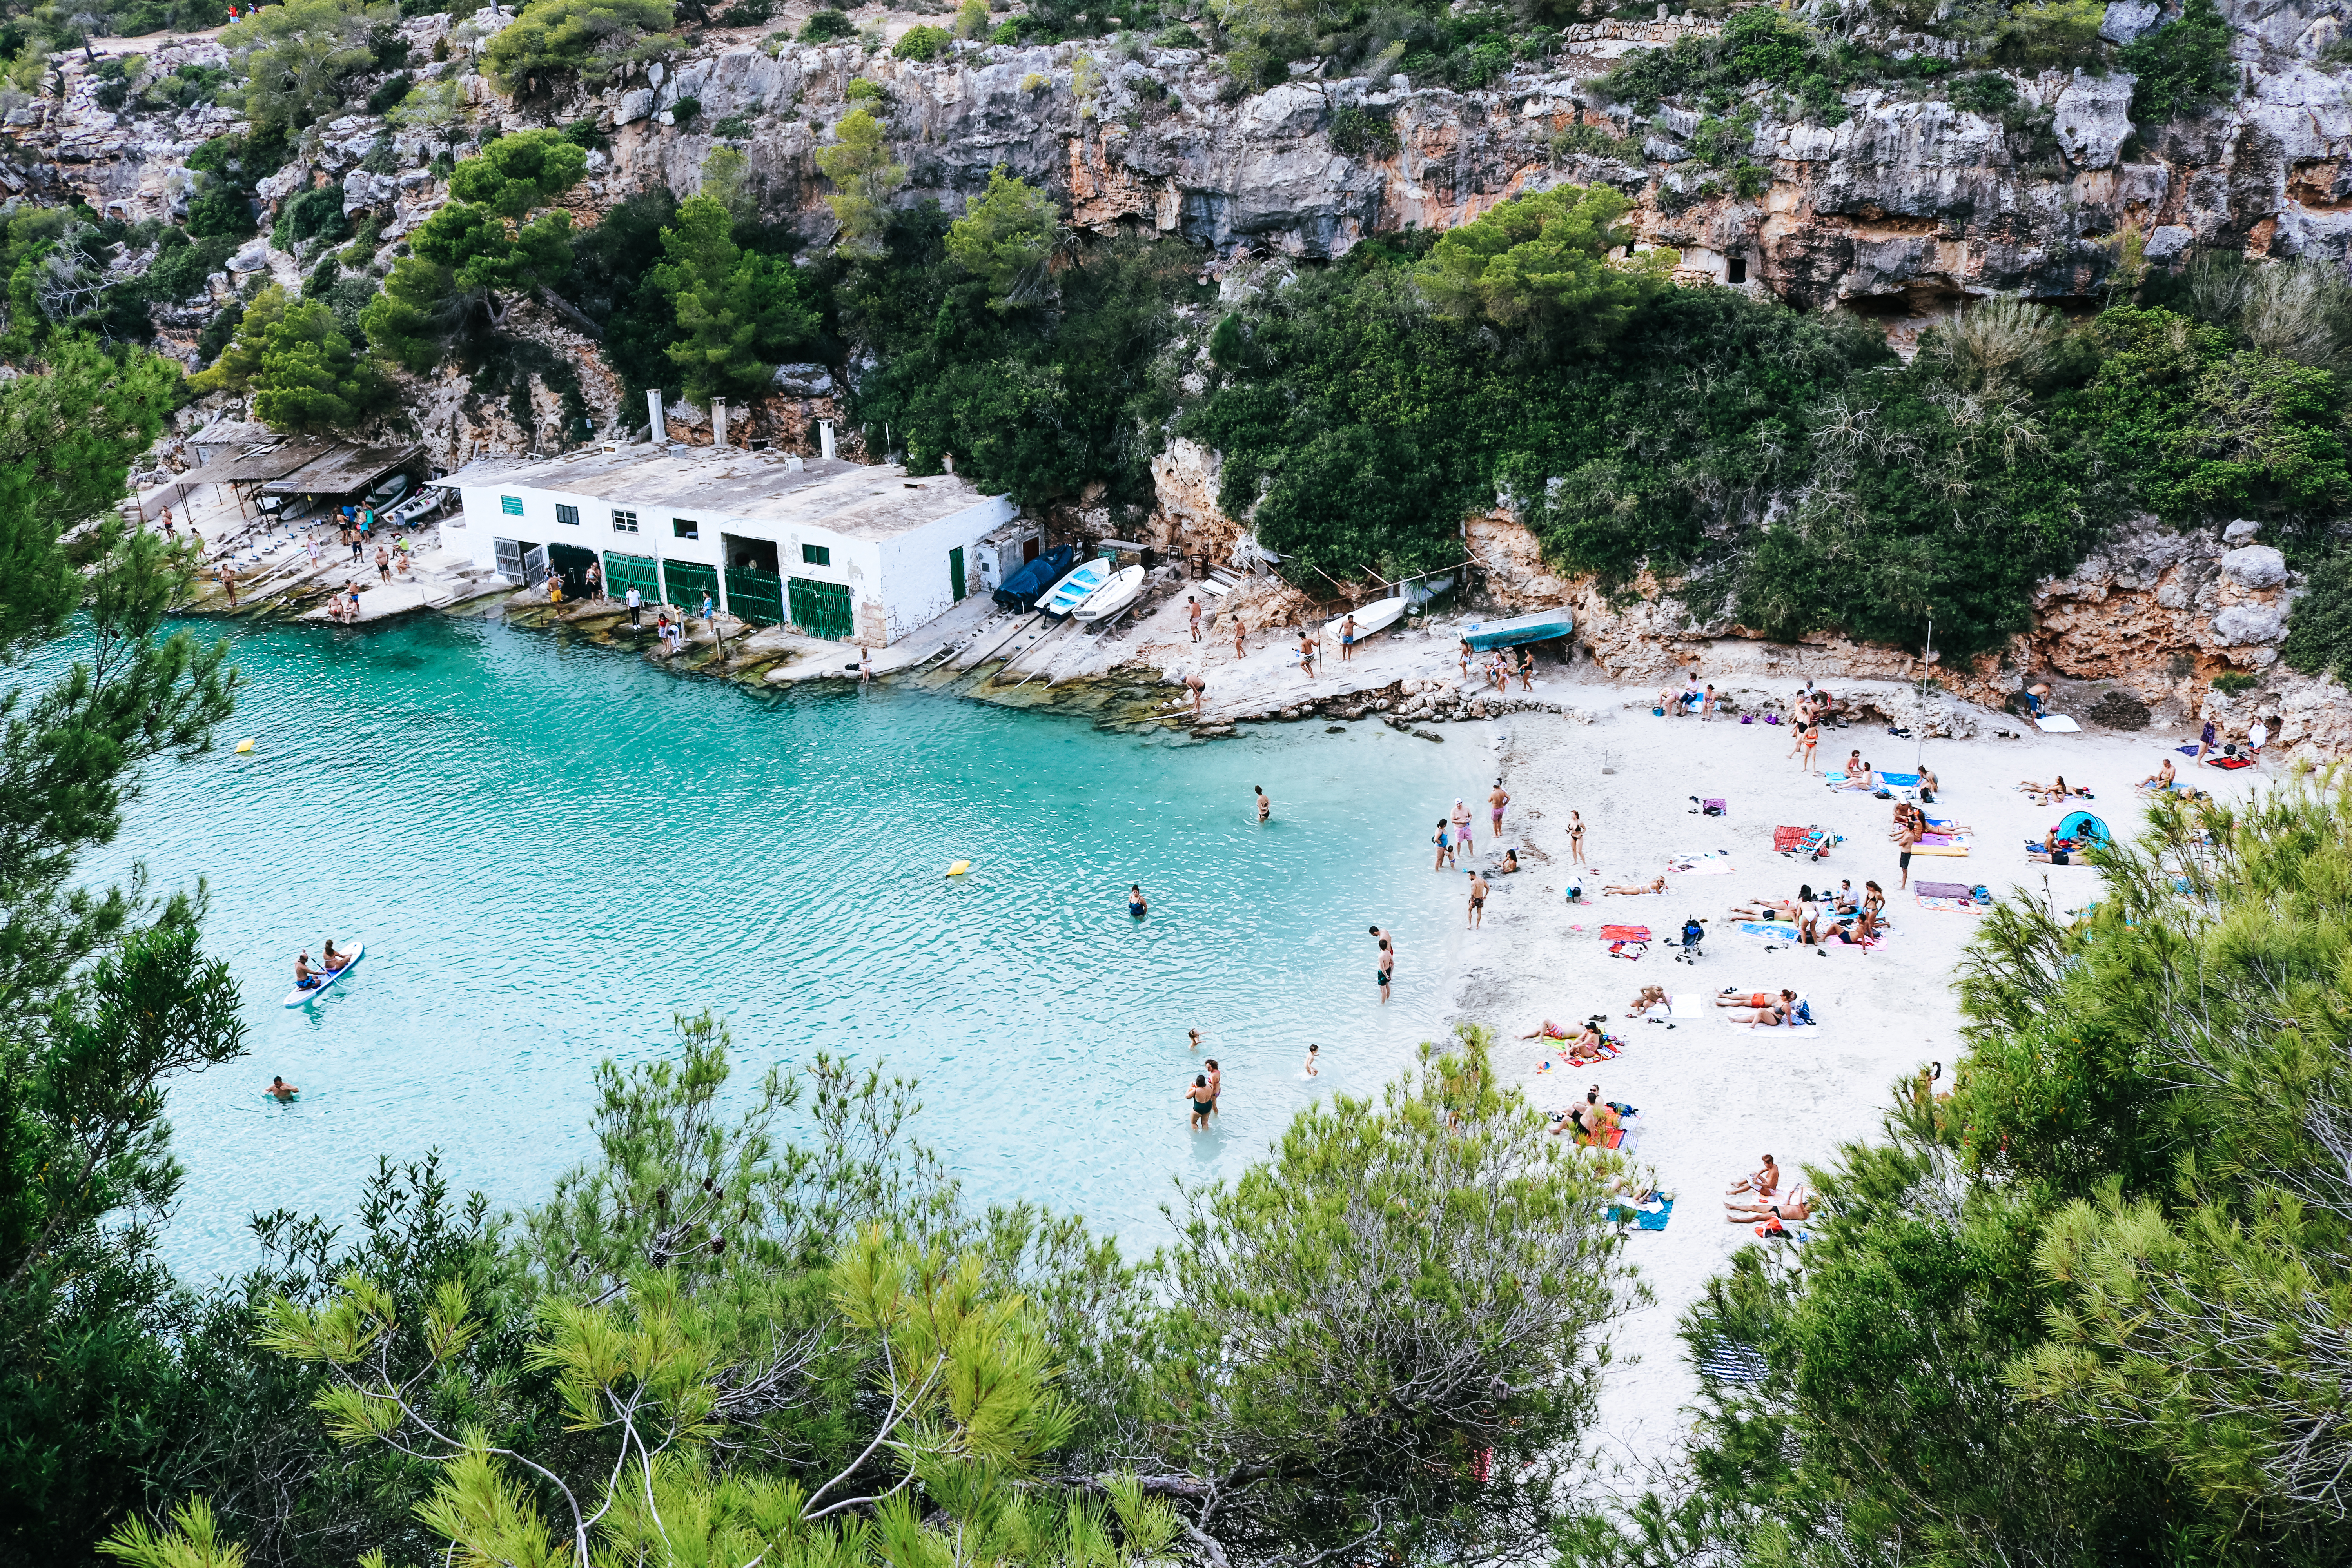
point(1201, 1101)
point(1136, 906)
point(1312, 1052)
point(280, 1090)
point(1216, 1082)
point(1265, 806)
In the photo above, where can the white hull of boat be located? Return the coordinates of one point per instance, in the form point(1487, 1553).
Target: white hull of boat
point(1377, 617)
point(1111, 597)
point(1082, 582)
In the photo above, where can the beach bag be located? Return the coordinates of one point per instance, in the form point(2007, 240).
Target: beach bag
point(1657, 712)
point(1927, 797)
point(1715, 807)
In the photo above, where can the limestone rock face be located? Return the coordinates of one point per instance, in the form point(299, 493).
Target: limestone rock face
point(2254, 566)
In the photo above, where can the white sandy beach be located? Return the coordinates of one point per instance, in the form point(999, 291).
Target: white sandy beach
point(1712, 1098)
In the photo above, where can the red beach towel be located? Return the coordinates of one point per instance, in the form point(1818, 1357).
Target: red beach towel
point(1624, 933)
point(1786, 838)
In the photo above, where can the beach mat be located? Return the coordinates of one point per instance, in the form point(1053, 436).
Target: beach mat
point(2227, 763)
point(1700, 863)
point(1644, 1219)
point(1953, 851)
point(2057, 725)
point(1624, 933)
point(1769, 931)
point(1787, 839)
point(1943, 889)
point(1927, 901)
point(1907, 781)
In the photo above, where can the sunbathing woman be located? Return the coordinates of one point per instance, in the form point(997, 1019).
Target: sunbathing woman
point(1766, 1017)
point(1657, 886)
point(1587, 1046)
point(1649, 997)
point(1550, 1031)
point(1730, 996)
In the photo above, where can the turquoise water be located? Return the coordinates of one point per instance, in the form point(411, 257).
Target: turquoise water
point(549, 850)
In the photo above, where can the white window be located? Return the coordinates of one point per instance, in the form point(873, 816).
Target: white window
point(624, 522)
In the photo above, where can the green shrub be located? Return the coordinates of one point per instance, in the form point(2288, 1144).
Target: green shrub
point(683, 111)
point(300, 58)
point(748, 14)
point(922, 44)
point(583, 36)
point(1758, 47)
point(1012, 31)
point(825, 26)
point(1180, 36)
point(734, 128)
point(1539, 267)
point(1363, 134)
point(2180, 66)
point(2229, 682)
point(865, 90)
point(393, 89)
point(1992, 94)
point(1473, 67)
point(1595, 142)
point(314, 213)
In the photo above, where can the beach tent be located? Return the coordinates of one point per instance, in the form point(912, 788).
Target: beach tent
point(2084, 828)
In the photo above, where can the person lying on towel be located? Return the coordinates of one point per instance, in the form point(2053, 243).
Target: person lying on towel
point(1656, 885)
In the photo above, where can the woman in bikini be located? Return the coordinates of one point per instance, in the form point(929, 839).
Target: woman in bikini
point(1444, 843)
point(1576, 838)
point(1656, 885)
point(1651, 995)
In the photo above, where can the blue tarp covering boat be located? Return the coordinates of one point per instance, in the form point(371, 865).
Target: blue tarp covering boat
point(1021, 591)
point(1540, 626)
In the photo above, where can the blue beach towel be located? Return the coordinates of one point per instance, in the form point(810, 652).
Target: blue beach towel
point(1656, 1221)
point(1908, 781)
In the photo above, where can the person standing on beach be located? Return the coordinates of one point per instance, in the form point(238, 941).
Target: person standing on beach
point(1192, 612)
point(1306, 655)
point(1910, 837)
point(1465, 659)
point(1444, 842)
point(1477, 916)
point(1265, 806)
point(2256, 739)
point(636, 603)
point(1707, 705)
point(228, 581)
point(1812, 739)
point(1576, 838)
point(1462, 828)
point(1348, 638)
point(1496, 801)
point(1241, 629)
point(1199, 689)
point(2206, 738)
point(384, 564)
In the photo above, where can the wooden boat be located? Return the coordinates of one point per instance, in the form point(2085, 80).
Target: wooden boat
point(1541, 627)
point(1377, 617)
point(1112, 597)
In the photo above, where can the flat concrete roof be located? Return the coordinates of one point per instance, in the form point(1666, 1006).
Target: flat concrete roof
point(713, 484)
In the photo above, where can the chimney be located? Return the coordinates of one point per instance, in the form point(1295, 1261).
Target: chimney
point(718, 422)
point(660, 432)
point(824, 438)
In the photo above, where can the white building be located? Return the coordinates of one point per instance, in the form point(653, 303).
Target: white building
point(839, 550)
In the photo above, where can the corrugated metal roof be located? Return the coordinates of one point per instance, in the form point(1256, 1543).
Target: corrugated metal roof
point(714, 484)
point(267, 461)
point(345, 469)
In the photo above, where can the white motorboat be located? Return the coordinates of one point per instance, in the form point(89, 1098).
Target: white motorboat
point(1076, 588)
point(1377, 617)
point(1111, 597)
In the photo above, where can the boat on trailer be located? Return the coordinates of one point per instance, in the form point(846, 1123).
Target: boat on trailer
point(1075, 589)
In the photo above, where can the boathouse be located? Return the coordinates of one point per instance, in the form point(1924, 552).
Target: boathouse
point(853, 552)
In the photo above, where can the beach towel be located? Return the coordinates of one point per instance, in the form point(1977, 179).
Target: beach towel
point(1967, 906)
point(1770, 931)
point(1655, 1219)
point(1907, 781)
point(1725, 1361)
point(1942, 889)
point(2186, 751)
point(2058, 724)
point(1624, 933)
point(1946, 824)
point(1957, 848)
point(1787, 839)
point(2228, 763)
point(1700, 863)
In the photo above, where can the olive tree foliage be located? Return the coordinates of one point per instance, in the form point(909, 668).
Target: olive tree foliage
point(297, 57)
point(586, 37)
point(1541, 265)
point(1385, 1338)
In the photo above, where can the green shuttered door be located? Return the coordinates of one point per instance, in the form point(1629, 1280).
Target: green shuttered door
point(821, 609)
point(622, 573)
point(688, 582)
point(754, 595)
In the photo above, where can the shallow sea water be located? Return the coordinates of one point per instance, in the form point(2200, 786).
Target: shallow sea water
point(549, 848)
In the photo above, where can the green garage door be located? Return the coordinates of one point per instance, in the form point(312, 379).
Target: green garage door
point(754, 595)
point(622, 573)
point(821, 609)
point(688, 582)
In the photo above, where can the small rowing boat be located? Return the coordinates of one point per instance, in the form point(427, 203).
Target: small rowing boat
point(1113, 596)
point(1075, 589)
point(303, 996)
point(1541, 627)
point(1377, 617)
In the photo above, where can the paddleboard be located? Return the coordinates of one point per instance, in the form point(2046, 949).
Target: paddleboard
point(299, 997)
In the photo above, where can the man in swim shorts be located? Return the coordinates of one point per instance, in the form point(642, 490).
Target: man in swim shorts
point(1903, 862)
point(1387, 961)
point(305, 977)
point(1265, 806)
point(280, 1090)
point(1477, 900)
